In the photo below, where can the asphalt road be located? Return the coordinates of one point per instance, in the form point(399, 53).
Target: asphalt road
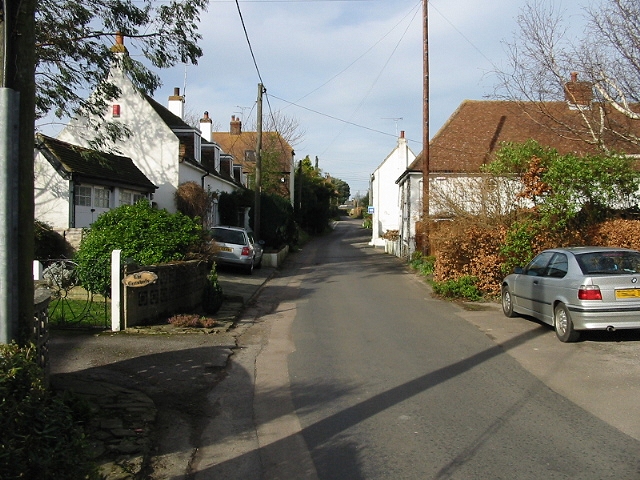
point(345, 367)
point(381, 380)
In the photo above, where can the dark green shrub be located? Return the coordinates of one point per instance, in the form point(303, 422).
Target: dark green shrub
point(277, 226)
point(145, 235)
point(212, 295)
point(42, 433)
point(424, 265)
point(231, 206)
point(49, 244)
point(464, 288)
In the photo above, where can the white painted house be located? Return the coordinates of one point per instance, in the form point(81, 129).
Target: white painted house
point(385, 192)
point(162, 145)
point(73, 185)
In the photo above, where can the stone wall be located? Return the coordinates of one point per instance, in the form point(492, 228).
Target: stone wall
point(73, 236)
point(178, 289)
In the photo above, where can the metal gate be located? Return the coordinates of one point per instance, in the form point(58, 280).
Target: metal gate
point(71, 305)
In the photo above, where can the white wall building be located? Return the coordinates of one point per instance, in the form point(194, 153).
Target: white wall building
point(385, 192)
point(162, 145)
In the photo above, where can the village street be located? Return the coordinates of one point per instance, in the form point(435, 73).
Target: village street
point(344, 366)
point(353, 370)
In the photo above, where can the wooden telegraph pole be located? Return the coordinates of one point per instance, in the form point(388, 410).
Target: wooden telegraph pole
point(258, 171)
point(425, 131)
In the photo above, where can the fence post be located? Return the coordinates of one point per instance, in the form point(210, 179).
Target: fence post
point(116, 291)
point(37, 270)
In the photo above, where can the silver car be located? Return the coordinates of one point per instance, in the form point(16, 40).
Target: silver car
point(577, 288)
point(236, 246)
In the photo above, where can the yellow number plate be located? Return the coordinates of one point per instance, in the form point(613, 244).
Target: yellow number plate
point(628, 293)
point(225, 249)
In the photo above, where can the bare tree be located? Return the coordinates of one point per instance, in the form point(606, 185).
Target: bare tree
point(546, 57)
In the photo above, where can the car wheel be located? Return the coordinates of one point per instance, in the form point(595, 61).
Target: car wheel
point(563, 324)
point(507, 303)
point(259, 264)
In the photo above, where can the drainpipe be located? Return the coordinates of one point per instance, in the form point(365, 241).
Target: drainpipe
point(72, 202)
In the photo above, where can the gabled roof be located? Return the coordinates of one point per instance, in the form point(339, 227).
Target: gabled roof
point(478, 128)
point(87, 164)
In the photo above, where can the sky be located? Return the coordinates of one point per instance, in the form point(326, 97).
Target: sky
point(349, 72)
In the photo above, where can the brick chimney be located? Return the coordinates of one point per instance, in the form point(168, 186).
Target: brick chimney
point(119, 45)
point(235, 127)
point(176, 103)
point(578, 93)
point(206, 127)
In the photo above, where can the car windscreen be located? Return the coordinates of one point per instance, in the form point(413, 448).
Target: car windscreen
point(609, 262)
point(228, 236)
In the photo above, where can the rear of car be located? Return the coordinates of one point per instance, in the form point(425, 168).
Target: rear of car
point(235, 247)
point(577, 288)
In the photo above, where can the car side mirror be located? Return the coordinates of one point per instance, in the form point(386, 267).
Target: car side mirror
point(261, 242)
point(518, 270)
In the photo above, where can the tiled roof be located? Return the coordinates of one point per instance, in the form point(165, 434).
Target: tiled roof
point(237, 144)
point(105, 168)
point(478, 128)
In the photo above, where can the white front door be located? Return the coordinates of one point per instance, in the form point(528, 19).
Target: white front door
point(89, 203)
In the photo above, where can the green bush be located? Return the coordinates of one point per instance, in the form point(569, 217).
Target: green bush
point(49, 244)
point(464, 288)
point(145, 235)
point(212, 294)
point(42, 433)
point(424, 265)
point(277, 226)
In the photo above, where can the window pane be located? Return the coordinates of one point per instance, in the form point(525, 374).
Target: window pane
point(126, 198)
point(101, 198)
point(83, 196)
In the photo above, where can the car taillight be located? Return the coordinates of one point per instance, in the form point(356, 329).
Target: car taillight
point(589, 292)
point(246, 251)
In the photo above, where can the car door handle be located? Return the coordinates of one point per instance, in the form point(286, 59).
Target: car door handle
point(535, 282)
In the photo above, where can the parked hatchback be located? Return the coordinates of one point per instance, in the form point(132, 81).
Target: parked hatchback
point(577, 288)
point(237, 247)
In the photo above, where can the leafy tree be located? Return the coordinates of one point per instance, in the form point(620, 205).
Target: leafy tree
point(342, 187)
point(145, 235)
point(74, 40)
point(562, 186)
point(313, 198)
point(561, 193)
point(606, 55)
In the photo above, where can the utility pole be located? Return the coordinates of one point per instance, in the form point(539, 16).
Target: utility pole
point(258, 186)
point(425, 131)
point(17, 117)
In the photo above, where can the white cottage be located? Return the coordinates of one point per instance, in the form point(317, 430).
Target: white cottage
point(73, 185)
point(385, 191)
point(162, 145)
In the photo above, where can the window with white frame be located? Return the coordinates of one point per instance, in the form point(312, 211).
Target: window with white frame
point(87, 196)
point(129, 198)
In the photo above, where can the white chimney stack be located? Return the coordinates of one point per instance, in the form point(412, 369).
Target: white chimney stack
point(206, 130)
point(176, 103)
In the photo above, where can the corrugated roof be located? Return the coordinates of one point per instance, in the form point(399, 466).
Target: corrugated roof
point(92, 164)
